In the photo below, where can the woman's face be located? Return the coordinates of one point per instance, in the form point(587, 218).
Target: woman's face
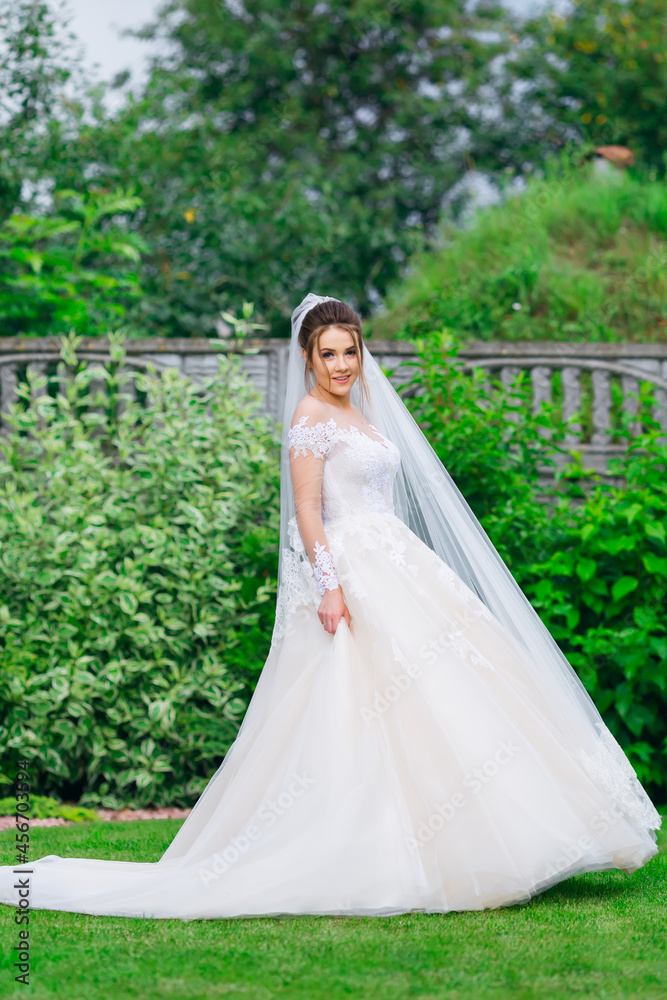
point(336, 365)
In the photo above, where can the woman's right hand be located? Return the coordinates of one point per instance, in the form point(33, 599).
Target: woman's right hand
point(332, 608)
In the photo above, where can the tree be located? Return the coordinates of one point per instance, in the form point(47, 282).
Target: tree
point(37, 60)
point(596, 74)
point(72, 270)
point(280, 147)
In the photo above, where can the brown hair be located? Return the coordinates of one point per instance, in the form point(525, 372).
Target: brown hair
point(320, 318)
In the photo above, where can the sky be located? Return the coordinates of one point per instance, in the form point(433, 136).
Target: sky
point(96, 23)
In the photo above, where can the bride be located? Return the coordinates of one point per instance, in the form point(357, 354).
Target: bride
point(417, 741)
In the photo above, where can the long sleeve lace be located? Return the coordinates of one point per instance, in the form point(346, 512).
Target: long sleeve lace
point(307, 455)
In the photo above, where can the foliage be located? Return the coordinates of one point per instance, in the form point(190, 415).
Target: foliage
point(282, 147)
point(595, 72)
point(30, 76)
point(527, 952)
point(602, 592)
point(241, 326)
point(72, 271)
point(137, 573)
point(576, 256)
point(45, 807)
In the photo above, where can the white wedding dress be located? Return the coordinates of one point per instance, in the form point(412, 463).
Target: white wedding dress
point(408, 762)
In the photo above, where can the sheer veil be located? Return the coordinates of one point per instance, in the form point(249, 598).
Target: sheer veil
point(428, 501)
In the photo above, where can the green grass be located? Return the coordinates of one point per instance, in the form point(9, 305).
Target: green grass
point(575, 257)
point(600, 935)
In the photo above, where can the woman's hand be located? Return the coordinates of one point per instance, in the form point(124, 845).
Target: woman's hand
point(332, 609)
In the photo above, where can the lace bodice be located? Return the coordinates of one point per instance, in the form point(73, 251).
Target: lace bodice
point(343, 478)
point(358, 472)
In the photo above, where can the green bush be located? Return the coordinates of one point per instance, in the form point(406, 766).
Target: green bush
point(602, 592)
point(591, 557)
point(72, 270)
point(137, 570)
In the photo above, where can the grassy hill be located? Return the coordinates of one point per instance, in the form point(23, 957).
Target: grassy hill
point(582, 256)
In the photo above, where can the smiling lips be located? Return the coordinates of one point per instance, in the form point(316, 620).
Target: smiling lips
point(341, 378)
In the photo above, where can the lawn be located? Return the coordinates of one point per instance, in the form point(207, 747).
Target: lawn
point(600, 935)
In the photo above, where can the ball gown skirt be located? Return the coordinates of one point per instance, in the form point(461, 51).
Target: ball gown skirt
point(410, 762)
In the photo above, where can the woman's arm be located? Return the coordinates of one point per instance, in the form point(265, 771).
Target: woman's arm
point(306, 468)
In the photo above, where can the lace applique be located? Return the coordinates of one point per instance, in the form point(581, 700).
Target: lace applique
point(477, 607)
point(320, 437)
point(324, 569)
point(372, 531)
point(304, 439)
point(298, 590)
point(411, 669)
point(295, 540)
point(374, 491)
point(611, 771)
point(380, 458)
point(466, 649)
point(350, 579)
point(397, 555)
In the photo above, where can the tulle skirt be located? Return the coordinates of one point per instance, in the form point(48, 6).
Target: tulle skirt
point(410, 762)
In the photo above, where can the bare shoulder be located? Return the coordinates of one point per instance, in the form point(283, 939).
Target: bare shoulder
point(311, 408)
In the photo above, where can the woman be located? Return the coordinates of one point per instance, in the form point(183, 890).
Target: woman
point(417, 741)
